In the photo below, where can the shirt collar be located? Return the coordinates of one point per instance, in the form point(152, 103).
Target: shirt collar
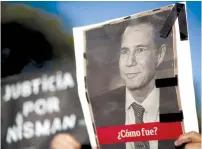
point(150, 104)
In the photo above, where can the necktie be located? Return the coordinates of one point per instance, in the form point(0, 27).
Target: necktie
point(139, 112)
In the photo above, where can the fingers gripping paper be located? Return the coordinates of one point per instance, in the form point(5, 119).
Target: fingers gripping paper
point(127, 62)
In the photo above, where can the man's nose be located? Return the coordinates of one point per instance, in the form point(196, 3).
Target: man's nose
point(131, 61)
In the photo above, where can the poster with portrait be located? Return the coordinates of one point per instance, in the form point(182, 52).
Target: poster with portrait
point(118, 63)
point(35, 107)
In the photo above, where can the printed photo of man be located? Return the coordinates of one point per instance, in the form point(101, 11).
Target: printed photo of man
point(138, 101)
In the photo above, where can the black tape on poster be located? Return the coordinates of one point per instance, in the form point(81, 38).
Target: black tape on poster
point(87, 97)
point(94, 128)
point(84, 55)
point(183, 25)
point(171, 117)
point(95, 132)
point(128, 17)
point(178, 11)
point(85, 81)
point(167, 82)
point(86, 146)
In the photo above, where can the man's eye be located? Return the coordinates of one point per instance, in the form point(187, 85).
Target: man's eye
point(139, 50)
point(124, 51)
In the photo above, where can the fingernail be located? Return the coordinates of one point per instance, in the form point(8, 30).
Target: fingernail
point(180, 142)
point(177, 143)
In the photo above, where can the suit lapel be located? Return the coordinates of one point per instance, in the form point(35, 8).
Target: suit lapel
point(111, 107)
point(166, 144)
point(116, 116)
point(119, 111)
point(168, 104)
point(168, 100)
point(123, 105)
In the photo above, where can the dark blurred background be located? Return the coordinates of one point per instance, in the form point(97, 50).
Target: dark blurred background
point(31, 40)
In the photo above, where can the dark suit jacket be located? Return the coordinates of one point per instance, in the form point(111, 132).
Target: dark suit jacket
point(109, 110)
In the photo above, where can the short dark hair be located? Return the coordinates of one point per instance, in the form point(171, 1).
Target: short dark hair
point(156, 21)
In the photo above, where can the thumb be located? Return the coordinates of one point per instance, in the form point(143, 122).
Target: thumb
point(192, 136)
point(193, 146)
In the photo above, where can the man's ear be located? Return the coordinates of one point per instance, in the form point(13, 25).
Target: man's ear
point(161, 54)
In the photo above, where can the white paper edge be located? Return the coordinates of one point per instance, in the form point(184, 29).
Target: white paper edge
point(79, 45)
point(185, 81)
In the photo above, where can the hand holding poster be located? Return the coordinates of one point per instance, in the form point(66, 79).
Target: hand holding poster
point(35, 107)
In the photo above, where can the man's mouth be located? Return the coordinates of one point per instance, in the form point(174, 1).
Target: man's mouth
point(132, 75)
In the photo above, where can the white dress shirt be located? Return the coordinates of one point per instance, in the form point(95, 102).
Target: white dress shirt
point(151, 114)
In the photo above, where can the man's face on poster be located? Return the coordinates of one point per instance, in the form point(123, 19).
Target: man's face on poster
point(139, 57)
